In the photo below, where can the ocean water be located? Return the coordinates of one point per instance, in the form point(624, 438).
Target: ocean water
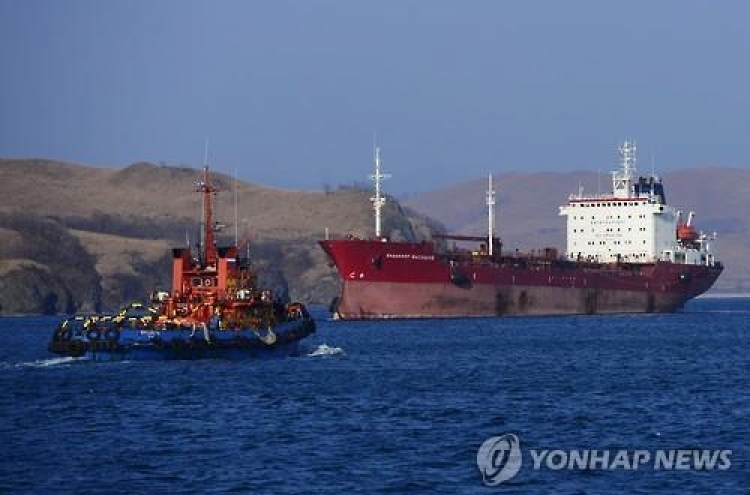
point(390, 407)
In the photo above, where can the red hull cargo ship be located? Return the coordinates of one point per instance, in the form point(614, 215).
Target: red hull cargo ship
point(627, 252)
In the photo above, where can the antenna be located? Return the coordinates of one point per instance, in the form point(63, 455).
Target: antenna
point(490, 214)
point(203, 204)
point(205, 154)
point(378, 201)
point(236, 221)
point(653, 167)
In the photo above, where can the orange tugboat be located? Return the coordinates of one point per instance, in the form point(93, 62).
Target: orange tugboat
point(215, 310)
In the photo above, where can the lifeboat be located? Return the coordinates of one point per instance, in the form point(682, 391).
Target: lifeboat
point(686, 234)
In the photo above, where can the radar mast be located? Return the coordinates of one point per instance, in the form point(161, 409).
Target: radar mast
point(378, 200)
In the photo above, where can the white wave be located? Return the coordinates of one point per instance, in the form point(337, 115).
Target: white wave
point(326, 350)
point(43, 363)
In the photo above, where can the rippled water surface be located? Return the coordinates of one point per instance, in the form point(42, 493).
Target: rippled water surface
point(386, 407)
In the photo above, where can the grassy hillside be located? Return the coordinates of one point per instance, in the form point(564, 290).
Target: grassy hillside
point(116, 226)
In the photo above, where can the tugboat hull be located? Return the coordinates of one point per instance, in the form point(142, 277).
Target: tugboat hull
point(148, 344)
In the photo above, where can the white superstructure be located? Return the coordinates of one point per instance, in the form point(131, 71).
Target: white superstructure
point(633, 224)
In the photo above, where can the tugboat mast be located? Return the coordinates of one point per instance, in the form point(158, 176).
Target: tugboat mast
point(208, 250)
point(378, 201)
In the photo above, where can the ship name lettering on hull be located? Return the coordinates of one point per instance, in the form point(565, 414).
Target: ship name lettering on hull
point(417, 257)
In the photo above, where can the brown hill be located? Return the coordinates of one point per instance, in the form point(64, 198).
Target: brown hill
point(527, 210)
point(125, 220)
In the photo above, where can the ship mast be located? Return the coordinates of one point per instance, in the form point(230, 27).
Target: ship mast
point(490, 215)
point(622, 180)
point(378, 200)
point(209, 248)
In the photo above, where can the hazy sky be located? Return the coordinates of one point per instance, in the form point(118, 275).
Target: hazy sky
point(291, 93)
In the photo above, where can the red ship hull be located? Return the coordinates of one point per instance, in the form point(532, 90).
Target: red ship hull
point(412, 280)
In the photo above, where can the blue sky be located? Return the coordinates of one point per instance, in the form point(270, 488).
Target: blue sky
point(291, 93)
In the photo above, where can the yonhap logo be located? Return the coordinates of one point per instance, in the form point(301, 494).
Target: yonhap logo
point(499, 459)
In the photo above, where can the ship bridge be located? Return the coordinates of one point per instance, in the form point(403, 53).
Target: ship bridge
point(633, 224)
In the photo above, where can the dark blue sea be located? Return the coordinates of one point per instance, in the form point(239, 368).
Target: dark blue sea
point(390, 407)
